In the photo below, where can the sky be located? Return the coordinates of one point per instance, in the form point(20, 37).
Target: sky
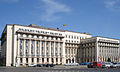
point(97, 17)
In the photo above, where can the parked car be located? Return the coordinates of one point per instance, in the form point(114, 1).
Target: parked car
point(74, 64)
point(43, 65)
point(38, 65)
point(116, 65)
point(107, 65)
point(97, 64)
point(32, 65)
point(71, 64)
point(50, 65)
point(90, 65)
point(83, 63)
point(67, 64)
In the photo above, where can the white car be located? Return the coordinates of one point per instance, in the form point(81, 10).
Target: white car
point(74, 64)
point(117, 64)
point(107, 65)
point(32, 65)
point(67, 64)
point(71, 64)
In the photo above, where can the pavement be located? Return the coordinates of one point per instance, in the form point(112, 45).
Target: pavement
point(58, 69)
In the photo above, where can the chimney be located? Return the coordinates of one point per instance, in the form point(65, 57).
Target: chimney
point(32, 25)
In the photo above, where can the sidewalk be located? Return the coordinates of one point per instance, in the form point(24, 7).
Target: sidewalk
point(62, 66)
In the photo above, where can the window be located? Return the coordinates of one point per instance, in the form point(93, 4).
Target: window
point(47, 59)
point(42, 59)
point(51, 38)
point(37, 53)
point(21, 35)
point(56, 38)
point(20, 41)
point(37, 42)
point(26, 53)
point(69, 36)
point(32, 42)
point(60, 38)
point(37, 60)
point(20, 60)
point(66, 36)
point(32, 60)
point(47, 48)
point(56, 59)
point(72, 37)
point(32, 36)
point(37, 36)
point(32, 47)
point(46, 43)
point(27, 35)
point(42, 42)
point(60, 59)
point(42, 37)
point(26, 41)
point(47, 37)
point(32, 53)
point(20, 46)
point(77, 37)
point(37, 47)
point(26, 60)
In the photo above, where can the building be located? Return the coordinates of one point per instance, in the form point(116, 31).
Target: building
point(26, 45)
point(99, 49)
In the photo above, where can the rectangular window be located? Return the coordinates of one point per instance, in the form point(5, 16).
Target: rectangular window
point(20, 60)
point(51, 38)
point(26, 60)
point(21, 35)
point(43, 60)
point(32, 36)
point(32, 60)
point(42, 37)
point(46, 43)
point(37, 60)
point(20, 41)
point(37, 42)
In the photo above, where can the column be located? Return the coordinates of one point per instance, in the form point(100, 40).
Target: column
point(18, 54)
point(63, 53)
point(24, 61)
point(29, 59)
point(54, 49)
point(35, 46)
point(50, 61)
point(40, 46)
point(24, 47)
point(18, 62)
point(45, 59)
point(58, 53)
point(54, 54)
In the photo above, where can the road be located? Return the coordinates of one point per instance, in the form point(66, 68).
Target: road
point(57, 69)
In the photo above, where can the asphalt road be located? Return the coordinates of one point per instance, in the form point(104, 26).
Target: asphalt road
point(56, 69)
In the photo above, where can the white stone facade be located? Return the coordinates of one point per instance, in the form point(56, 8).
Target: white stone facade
point(99, 49)
point(26, 45)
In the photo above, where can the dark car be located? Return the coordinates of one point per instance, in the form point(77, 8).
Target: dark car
point(44, 65)
point(38, 65)
point(83, 63)
point(90, 65)
point(50, 65)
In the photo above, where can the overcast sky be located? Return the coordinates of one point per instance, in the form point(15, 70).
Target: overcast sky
point(97, 17)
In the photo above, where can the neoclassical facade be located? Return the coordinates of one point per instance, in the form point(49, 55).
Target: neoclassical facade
point(26, 45)
point(99, 49)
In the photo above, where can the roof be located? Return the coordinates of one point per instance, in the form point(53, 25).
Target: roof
point(102, 37)
point(49, 28)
